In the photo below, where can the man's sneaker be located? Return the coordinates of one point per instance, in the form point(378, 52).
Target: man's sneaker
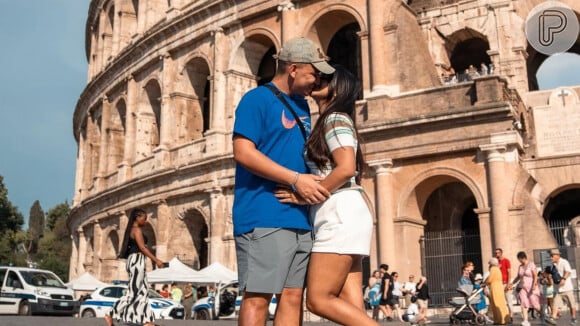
point(573, 321)
point(551, 321)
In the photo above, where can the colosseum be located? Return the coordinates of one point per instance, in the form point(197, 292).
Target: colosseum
point(465, 153)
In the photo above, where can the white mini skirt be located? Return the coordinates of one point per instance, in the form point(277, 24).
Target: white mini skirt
point(342, 224)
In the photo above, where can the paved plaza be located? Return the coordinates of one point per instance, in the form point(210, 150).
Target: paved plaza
point(69, 321)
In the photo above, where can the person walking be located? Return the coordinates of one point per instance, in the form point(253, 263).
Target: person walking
point(529, 291)
point(505, 267)
point(342, 232)
point(563, 287)
point(386, 292)
point(134, 307)
point(497, 302)
point(374, 285)
point(273, 239)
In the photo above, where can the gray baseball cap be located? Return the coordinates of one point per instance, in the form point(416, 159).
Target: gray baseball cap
point(303, 50)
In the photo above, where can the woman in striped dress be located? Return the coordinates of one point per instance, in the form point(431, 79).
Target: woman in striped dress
point(342, 224)
point(134, 307)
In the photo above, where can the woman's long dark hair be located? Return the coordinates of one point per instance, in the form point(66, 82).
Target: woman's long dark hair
point(343, 91)
point(123, 253)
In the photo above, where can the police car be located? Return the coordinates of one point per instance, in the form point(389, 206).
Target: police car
point(227, 305)
point(30, 291)
point(102, 299)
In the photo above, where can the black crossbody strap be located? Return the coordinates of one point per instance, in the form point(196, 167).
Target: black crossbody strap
point(283, 100)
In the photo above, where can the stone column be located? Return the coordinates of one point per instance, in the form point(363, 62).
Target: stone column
point(216, 138)
point(217, 224)
point(288, 25)
point(169, 76)
point(484, 234)
point(389, 55)
point(82, 252)
point(79, 184)
point(125, 168)
point(104, 148)
point(377, 65)
point(497, 194)
point(167, 124)
point(163, 229)
point(366, 66)
point(385, 211)
point(74, 258)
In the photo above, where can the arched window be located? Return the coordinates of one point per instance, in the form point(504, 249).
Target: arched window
point(345, 49)
point(116, 135)
point(469, 59)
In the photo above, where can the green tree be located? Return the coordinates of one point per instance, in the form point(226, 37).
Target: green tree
point(53, 214)
point(55, 247)
point(10, 217)
point(11, 236)
point(35, 228)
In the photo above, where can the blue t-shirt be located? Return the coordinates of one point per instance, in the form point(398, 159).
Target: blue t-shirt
point(262, 118)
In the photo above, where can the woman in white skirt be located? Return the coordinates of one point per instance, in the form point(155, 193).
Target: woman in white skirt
point(342, 225)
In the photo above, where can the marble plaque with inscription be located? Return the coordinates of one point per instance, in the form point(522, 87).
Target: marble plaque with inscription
point(558, 124)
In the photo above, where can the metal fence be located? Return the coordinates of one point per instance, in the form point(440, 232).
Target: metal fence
point(444, 253)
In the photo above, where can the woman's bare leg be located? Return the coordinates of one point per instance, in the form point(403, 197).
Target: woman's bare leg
point(325, 296)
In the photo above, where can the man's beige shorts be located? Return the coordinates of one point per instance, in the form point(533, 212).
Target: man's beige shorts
point(565, 298)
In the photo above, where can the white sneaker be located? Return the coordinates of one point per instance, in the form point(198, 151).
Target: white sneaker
point(525, 323)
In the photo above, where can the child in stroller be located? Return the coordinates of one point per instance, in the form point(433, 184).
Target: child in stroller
point(465, 306)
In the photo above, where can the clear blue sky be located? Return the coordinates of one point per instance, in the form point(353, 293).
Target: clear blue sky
point(44, 70)
point(43, 73)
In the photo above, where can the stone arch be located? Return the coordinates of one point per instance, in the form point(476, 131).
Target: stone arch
point(193, 103)
point(108, 29)
point(318, 29)
point(443, 201)
point(524, 187)
point(127, 15)
point(561, 207)
point(116, 134)
point(110, 247)
point(535, 60)
point(411, 206)
point(467, 48)
point(254, 53)
point(189, 239)
point(149, 118)
point(93, 144)
point(340, 39)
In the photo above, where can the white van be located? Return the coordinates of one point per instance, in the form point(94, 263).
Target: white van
point(27, 291)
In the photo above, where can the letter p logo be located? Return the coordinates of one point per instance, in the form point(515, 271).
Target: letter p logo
point(552, 27)
point(551, 22)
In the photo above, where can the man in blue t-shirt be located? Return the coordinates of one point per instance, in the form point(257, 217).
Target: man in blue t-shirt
point(273, 240)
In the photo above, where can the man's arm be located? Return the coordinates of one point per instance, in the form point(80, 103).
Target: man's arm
point(307, 186)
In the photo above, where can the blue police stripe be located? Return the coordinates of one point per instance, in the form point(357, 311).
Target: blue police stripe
point(202, 306)
point(18, 295)
point(98, 303)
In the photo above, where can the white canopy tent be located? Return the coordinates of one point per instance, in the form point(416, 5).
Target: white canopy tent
point(176, 272)
point(218, 273)
point(85, 282)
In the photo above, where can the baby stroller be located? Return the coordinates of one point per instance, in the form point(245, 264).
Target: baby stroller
point(464, 312)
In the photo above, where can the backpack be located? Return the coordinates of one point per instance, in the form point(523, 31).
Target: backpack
point(556, 277)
